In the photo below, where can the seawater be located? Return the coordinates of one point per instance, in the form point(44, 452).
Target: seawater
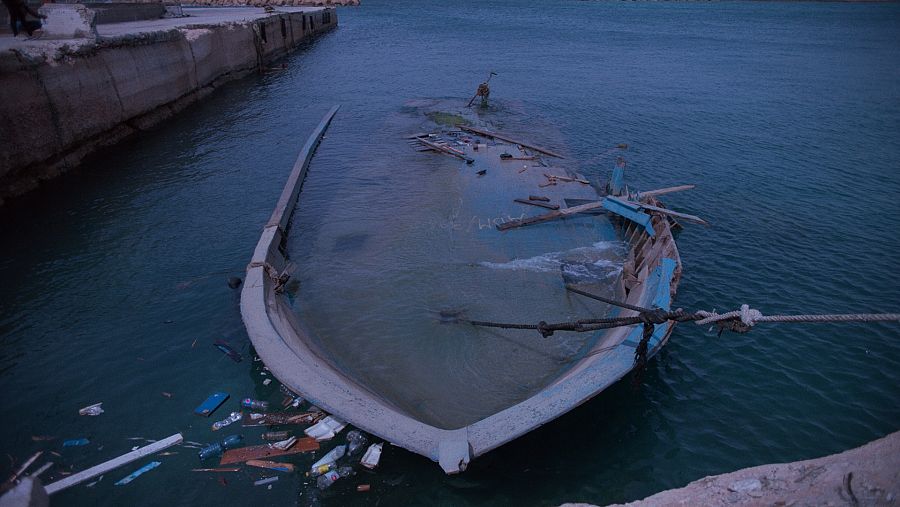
point(786, 116)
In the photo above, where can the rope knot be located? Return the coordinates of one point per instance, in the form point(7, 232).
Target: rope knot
point(749, 316)
point(544, 329)
point(654, 316)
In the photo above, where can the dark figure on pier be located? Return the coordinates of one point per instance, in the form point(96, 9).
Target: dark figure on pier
point(18, 12)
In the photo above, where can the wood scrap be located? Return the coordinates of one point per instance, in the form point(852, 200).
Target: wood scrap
point(446, 149)
point(553, 215)
point(567, 179)
point(666, 211)
point(539, 204)
point(662, 191)
point(243, 454)
point(538, 198)
point(280, 418)
point(506, 138)
point(271, 465)
point(235, 469)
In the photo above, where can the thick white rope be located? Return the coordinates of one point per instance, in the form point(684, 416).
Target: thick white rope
point(750, 316)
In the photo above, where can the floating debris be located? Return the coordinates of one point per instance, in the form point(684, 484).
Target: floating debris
point(356, 441)
point(267, 480)
point(210, 405)
point(326, 429)
point(134, 475)
point(271, 465)
point(217, 448)
point(93, 410)
point(252, 404)
point(326, 462)
point(363, 487)
point(227, 350)
point(235, 469)
point(285, 444)
point(76, 442)
point(372, 456)
point(265, 451)
point(233, 418)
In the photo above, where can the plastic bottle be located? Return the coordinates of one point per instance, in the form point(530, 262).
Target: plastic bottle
point(356, 442)
point(327, 461)
point(325, 481)
point(255, 404)
point(234, 417)
point(217, 448)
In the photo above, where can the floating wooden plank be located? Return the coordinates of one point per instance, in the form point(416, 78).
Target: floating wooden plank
point(662, 191)
point(107, 466)
point(210, 405)
point(553, 215)
point(446, 149)
point(539, 204)
point(509, 140)
point(280, 418)
point(666, 211)
point(538, 198)
point(552, 177)
point(234, 469)
point(271, 465)
point(264, 451)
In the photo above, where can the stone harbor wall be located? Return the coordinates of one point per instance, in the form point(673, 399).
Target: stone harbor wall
point(868, 475)
point(62, 97)
point(259, 3)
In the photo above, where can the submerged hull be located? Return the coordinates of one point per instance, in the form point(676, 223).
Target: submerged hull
point(650, 277)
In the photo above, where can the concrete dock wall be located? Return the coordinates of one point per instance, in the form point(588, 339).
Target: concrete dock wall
point(58, 105)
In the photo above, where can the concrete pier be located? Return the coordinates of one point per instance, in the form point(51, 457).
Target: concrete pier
point(61, 99)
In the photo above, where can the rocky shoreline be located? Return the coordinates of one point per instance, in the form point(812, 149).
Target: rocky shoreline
point(867, 475)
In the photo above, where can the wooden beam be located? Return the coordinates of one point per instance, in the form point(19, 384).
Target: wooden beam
point(667, 190)
point(553, 215)
point(666, 211)
point(112, 464)
point(446, 149)
point(242, 454)
point(538, 204)
point(510, 140)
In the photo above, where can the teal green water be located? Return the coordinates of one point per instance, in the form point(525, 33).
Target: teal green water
point(786, 116)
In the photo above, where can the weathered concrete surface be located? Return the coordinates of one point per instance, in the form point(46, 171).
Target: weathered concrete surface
point(865, 476)
point(68, 21)
point(62, 99)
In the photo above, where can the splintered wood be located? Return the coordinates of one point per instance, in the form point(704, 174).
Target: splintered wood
point(255, 452)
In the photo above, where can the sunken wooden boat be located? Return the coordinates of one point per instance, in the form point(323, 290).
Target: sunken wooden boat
point(648, 279)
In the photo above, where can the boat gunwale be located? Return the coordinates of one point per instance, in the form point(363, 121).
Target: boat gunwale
point(287, 350)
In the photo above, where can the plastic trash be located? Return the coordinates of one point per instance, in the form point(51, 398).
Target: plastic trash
point(326, 480)
point(217, 448)
point(285, 444)
point(267, 480)
point(372, 456)
point(233, 418)
point(325, 429)
point(328, 460)
point(76, 442)
point(363, 487)
point(94, 409)
point(210, 404)
point(356, 442)
point(255, 404)
point(134, 475)
point(274, 436)
point(267, 381)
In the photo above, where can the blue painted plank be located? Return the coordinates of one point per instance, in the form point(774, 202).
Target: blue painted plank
point(210, 405)
point(619, 208)
point(617, 182)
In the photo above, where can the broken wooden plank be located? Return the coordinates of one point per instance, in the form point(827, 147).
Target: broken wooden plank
point(112, 464)
point(242, 454)
point(232, 469)
point(553, 215)
point(666, 211)
point(446, 149)
point(538, 198)
point(271, 465)
point(662, 191)
point(509, 140)
point(279, 418)
point(629, 211)
point(539, 204)
point(567, 179)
